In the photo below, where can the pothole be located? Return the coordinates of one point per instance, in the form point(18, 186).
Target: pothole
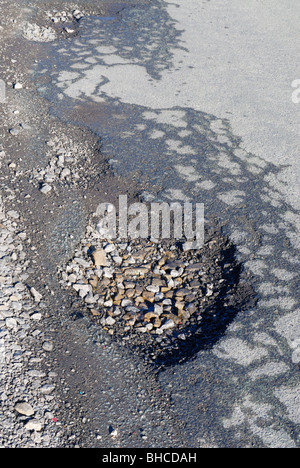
point(163, 302)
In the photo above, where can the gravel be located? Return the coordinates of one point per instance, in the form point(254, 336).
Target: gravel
point(24, 388)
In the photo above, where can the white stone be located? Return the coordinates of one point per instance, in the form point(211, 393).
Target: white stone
point(82, 289)
point(175, 274)
point(47, 389)
point(24, 408)
point(154, 289)
point(36, 316)
point(11, 323)
point(108, 273)
point(47, 346)
point(36, 295)
point(296, 356)
point(34, 425)
point(82, 262)
point(158, 309)
point(118, 260)
point(169, 324)
point(77, 14)
point(45, 189)
point(126, 303)
point(109, 248)
point(13, 214)
point(108, 303)
point(110, 321)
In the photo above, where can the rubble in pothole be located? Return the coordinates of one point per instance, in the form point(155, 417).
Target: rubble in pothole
point(154, 296)
point(57, 23)
point(34, 32)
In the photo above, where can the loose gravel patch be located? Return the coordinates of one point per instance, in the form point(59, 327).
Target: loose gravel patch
point(27, 395)
point(161, 300)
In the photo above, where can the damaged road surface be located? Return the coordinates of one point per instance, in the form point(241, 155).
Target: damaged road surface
point(140, 342)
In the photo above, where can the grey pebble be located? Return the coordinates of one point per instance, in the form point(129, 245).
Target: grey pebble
point(45, 189)
point(24, 408)
point(48, 346)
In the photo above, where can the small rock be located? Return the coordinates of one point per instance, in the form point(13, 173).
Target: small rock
point(36, 373)
point(179, 305)
point(108, 303)
point(110, 321)
point(24, 408)
point(132, 310)
point(139, 271)
point(90, 299)
point(65, 173)
point(36, 316)
point(168, 325)
point(152, 288)
point(14, 131)
point(126, 303)
point(99, 258)
point(141, 329)
point(47, 346)
point(34, 425)
point(36, 295)
point(130, 293)
point(13, 214)
point(109, 248)
point(159, 297)
point(95, 313)
point(69, 30)
point(175, 273)
point(45, 189)
point(148, 296)
point(82, 289)
point(117, 311)
point(182, 292)
point(11, 323)
point(118, 260)
point(18, 85)
point(77, 14)
point(47, 389)
point(82, 262)
point(158, 310)
point(191, 308)
point(149, 315)
point(108, 273)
